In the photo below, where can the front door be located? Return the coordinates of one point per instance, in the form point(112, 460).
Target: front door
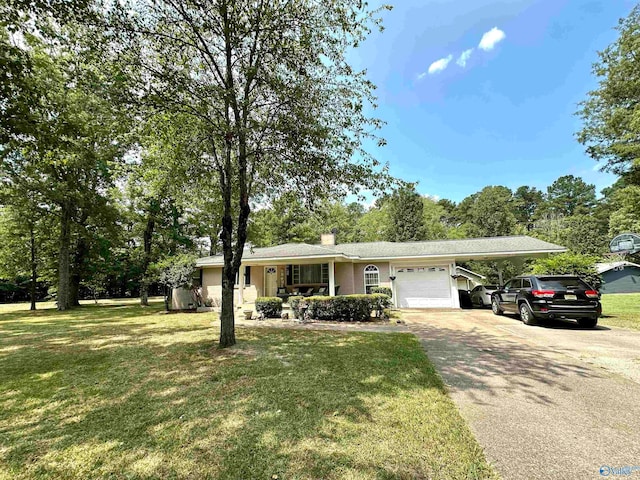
point(270, 281)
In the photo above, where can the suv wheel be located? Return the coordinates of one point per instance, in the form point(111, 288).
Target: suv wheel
point(587, 322)
point(526, 315)
point(495, 307)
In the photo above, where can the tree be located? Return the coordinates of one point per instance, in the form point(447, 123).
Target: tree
point(568, 263)
point(625, 216)
point(271, 94)
point(64, 154)
point(489, 212)
point(526, 202)
point(175, 272)
point(406, 215)
point(569, 195)
point(375, 224)
point(433, 214)
point(611, 113)
point(22, 235)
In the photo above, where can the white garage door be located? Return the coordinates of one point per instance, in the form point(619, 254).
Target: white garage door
point(423, 287)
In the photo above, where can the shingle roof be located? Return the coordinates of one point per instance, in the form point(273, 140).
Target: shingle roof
point(388, 250)
point(467, 246)
point(605, 267)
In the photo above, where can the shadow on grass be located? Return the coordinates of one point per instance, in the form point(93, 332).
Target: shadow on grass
point(119, 392)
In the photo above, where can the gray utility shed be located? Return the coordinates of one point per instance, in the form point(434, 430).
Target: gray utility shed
point(619, 277)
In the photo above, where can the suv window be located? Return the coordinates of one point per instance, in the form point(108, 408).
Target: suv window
point(516, 283)
point(526, 283)
point(562, 283)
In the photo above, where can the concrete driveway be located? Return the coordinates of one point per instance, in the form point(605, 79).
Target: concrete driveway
point(544, 402)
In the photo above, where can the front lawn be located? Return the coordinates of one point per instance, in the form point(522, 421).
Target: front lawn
point(621, 310)
point(123, 392)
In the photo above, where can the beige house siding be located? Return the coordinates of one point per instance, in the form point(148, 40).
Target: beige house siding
point(212, 285)
point(344, 278)
point(358, 276)
point(257, 284)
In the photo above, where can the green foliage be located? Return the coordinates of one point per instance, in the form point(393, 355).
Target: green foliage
point(406, 215)
point(296, 302)
point(568, 263)
point(434, 215)
point(611, 113)
point(526, 202)
point(343, 308)
point(383, 290)
point(177, 271)
point(271, 307)
point(375, 224)
point(581, 234)
point(489, 213)
point(568, 196)
point(379, 302)
point(625, 216)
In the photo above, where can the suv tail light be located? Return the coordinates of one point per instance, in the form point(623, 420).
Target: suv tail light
point(591, 294)
point(543, 293)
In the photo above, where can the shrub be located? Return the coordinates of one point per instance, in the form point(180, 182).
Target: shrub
point(295, 303)
point(379, 302)
point(383, 290)
point(270, 307)
point(568, 263)
point(344, 308)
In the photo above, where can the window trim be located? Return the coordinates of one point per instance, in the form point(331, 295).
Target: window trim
point(370, 270)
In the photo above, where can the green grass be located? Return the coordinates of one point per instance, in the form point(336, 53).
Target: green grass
point(621, 310)
point(122, 392)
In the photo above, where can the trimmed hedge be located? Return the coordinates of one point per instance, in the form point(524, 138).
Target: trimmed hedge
point(380, 302)
point(270, 307)
point(383, 290)
point(343, 308)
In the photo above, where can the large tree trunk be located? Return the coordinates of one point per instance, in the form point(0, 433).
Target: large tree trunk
point(34, 268)
point(227, 320)
point(63, 257)
point(147, 242)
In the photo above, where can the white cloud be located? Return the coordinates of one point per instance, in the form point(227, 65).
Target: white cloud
point(439, 65)
point(464, 57)
point(422, 75)
point(491, 38)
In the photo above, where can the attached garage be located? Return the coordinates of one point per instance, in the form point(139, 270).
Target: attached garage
point(424, 287)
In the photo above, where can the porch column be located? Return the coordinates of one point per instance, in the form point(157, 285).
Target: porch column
point(332, 279)
point(241, 285)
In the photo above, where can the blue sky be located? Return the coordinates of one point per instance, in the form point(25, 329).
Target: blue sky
point(507, 116)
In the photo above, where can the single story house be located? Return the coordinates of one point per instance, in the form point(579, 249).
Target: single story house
point(420, 274)
point(619, 277)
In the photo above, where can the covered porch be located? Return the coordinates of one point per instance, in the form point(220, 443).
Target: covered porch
point(286, 279)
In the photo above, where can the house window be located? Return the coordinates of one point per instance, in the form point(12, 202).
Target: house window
point(302, 274)
point(371, 278)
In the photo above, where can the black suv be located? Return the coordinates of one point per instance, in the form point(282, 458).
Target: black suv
point(548, 297)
